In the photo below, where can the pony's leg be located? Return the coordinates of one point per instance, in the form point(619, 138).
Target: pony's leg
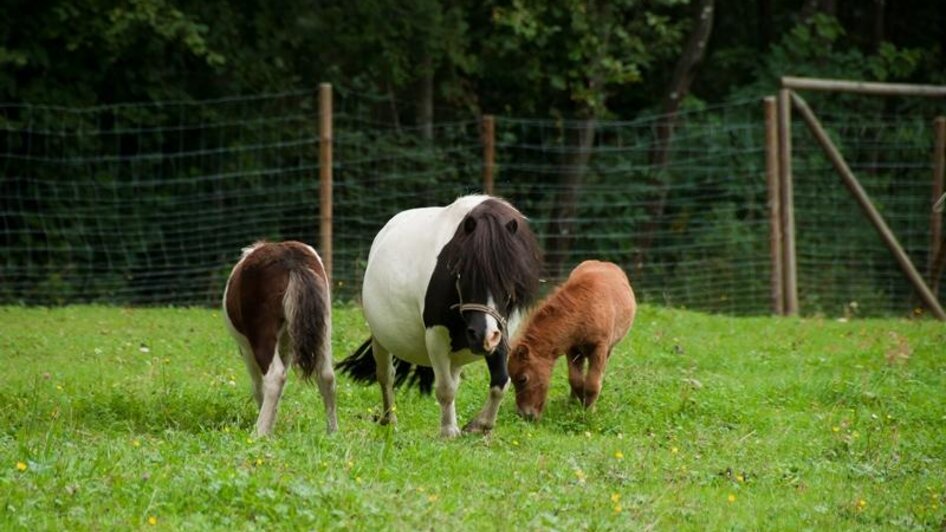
point(596, 364)
point(446, 381)
point(273, 381)
point(326, 379)
point(576, 373)
point(384, 371)
point(252, 368)
point(498, 382)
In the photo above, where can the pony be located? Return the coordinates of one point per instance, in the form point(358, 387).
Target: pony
point(584, 318)
point(443, 287)
point(277, 307)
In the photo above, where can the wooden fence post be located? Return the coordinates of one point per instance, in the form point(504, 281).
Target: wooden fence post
point(789, 264)
point(936, 218)
point(489, 153)
point(772, 181)
point(325, 176)
point(864, 201)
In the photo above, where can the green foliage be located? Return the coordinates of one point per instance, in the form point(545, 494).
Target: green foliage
point(130, 418)
point(819, 47)
point(578, 53)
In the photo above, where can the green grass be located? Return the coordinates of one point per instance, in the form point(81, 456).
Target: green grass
point(705, 422)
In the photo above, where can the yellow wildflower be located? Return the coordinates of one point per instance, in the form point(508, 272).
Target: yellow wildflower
point(731, 498)
point(20, 466)
point(152, 520)
point(580, 474)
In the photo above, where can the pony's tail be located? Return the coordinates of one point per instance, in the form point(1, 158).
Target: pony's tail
point(308, 318)
point(361, 367)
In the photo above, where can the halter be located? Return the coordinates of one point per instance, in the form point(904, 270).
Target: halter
point(476, 307)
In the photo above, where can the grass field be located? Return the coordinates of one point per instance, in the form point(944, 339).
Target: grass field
point(141, 418)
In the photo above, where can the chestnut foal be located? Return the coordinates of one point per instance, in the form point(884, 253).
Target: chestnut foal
point(584, 318)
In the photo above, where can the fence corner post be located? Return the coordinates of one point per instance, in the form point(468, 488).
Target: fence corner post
point(774, 202)
point(936, 218)
point(325, 177)
point(789, 264)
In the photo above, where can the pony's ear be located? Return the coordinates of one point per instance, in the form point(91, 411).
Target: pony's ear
point(512, 226)
point(469, 224)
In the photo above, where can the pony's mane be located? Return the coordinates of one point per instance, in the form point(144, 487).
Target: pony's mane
point(507, 263)
point(565, 300)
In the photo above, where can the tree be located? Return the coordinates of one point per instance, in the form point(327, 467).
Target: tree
point(677, 90)
point(569, 58)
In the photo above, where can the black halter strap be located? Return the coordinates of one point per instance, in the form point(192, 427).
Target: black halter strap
point(476, 307)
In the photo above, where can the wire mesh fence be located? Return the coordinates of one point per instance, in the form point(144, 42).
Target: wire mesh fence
point(151, 203)
point(843, 265)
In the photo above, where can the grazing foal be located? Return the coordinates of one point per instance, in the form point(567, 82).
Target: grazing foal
point(583, 319)
point(278, 309)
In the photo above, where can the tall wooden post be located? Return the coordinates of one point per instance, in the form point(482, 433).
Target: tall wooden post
point(936, 218)
point(772, 182)
point(325, 176)
point(489, 153)
point(789, 264)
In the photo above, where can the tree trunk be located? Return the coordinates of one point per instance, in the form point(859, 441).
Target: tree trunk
point(395, 114)
point(565, 208)
point(766, 12)
point(425, 99)
point(877, 17)
point(810, 7)
point(683, 74)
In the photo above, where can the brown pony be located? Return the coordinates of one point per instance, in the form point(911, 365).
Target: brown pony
point(583, 319)
point(277, 302)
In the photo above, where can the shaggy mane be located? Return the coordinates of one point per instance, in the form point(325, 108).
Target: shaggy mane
point(507, 263)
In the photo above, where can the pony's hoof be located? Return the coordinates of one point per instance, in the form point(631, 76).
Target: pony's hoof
point(389, 419)
point(477, 427)
point(449, 432)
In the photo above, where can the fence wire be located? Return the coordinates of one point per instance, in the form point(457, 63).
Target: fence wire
point(151, 203)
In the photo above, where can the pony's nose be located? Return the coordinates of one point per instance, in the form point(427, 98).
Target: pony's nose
point(492, 341)
point(471, 336)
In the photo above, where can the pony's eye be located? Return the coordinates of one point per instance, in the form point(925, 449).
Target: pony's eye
point(521, 379)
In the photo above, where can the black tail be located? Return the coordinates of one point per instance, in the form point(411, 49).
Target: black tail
point(361, 367)
point(306, 305)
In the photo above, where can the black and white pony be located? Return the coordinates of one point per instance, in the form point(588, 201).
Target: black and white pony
point(446, 286)
point(277, 307)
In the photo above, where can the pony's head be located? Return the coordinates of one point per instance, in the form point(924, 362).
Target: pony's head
point(530, 375)
point(495, 262)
